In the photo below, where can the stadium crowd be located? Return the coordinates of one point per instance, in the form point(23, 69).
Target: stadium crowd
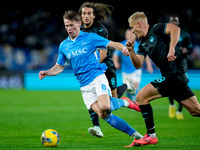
point(31, 42)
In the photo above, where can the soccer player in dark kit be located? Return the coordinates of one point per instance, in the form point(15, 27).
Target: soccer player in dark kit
point(92, 14)
point(185, 46)
point(159, 42)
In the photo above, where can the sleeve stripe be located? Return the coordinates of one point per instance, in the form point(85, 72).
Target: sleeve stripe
point(165, 28)
point(140, 53)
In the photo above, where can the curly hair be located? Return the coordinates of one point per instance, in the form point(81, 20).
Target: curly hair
point(100, 10)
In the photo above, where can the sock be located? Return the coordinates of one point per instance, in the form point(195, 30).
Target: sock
point(137, 135)
point(180, 107)
point(147, 114)
point(94, 117)
point(116, 103)
point(120, 124)
point(171, 100)
point(121, 89)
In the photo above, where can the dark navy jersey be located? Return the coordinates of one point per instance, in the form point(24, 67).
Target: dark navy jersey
point(156, 45)
point(185, 42)
point(101, 30)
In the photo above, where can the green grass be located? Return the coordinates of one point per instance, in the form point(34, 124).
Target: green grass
point(24, 115)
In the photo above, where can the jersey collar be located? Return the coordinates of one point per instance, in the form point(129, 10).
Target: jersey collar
point(80, 34)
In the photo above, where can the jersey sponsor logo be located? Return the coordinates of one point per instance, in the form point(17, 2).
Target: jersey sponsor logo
point(79, 52)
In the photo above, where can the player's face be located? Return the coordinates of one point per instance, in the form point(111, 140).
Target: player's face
point(72, 27)
point(136, 28)
point(130, 35)
point(87, 16)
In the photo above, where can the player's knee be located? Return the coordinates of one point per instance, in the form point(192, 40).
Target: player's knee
point(140, 98)
point(104, 107)
point(103, 114)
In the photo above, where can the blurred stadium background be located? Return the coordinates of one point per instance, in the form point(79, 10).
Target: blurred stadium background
point(30, 33)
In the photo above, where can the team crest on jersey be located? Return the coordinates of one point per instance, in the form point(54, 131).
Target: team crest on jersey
point(151, 39)
point(83, 43)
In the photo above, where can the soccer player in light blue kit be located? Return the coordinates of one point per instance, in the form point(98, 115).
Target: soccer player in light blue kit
point(79, 49)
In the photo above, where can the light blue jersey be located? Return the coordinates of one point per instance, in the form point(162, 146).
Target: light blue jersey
point(81, 54)
point(126, 63)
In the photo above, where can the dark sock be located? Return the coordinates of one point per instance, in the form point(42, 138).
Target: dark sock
point(121, 89)
point(180, 107)
point(94, 117)
point(171, 100)
point(147, 114)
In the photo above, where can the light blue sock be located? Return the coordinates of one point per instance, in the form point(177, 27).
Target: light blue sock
point(119, 124)
point(116, 103)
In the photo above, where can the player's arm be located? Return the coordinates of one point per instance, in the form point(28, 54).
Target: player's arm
point(103, 55)
point(174, 32)
point(149, 65)
point(136, 59)
point(56, 69)
point(118, 46)
point(188, 45)
point(104, 33)
point(116, 60)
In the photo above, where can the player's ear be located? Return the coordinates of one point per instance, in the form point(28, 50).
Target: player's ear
point(139, 23)
point(79, 23)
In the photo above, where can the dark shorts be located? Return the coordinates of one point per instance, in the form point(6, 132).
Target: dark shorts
point(112, 79)
point(175, 86)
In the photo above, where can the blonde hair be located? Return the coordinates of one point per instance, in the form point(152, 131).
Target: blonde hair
point(137, 16)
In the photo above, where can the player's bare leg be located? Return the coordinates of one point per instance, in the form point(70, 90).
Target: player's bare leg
point(144, 96)
point(103, 107)
point(192, 105)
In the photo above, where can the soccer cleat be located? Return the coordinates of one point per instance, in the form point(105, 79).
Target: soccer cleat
point(179, 115)
point(146, 140)
point(130, 87)
point(95, 131)
point(133, 144)
point(132, 104)
point(172, 111)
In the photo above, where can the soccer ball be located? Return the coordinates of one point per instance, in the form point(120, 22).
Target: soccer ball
point(50, 138)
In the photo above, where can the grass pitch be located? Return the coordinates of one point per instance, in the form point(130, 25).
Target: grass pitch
point(24, 115)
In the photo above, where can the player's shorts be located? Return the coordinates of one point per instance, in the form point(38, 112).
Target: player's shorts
point(112, 79)
point(134, 76)
point(97, 87)
point(174, 86)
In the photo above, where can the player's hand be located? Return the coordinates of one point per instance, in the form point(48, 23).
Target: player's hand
point(171, 55)
point(42, 74)
point(125, 51)
point(130, 44)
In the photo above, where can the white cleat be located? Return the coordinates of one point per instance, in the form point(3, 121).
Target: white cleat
point(95, 131)
point(130, 86)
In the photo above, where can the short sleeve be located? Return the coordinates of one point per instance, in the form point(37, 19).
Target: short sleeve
point(99, 41)
point(160, 28)
point(61, 57)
